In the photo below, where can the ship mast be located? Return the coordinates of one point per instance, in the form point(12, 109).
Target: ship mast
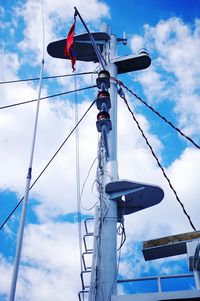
point(106, 269)
point(117, 197)
point(104, 266)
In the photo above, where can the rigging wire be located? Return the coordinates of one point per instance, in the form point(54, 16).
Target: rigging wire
point(52, 158)
point(99, 55)
point(99, 186)
point(46, 97)
point(117, 272)
point(121, 84)
point(122, 95)
point(98, 175)
point(45, 77)
point(121, 231)
point(84, 183)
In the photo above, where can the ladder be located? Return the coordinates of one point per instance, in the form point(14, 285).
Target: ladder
point(86, 258)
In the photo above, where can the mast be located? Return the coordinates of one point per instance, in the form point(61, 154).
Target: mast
point(103, 284)
point(138, 196)
point(107, 269)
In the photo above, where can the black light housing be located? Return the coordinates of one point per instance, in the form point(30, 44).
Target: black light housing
point(103, 80)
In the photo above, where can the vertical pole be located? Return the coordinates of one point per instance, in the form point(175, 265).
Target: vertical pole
point(107, 271)
point(197, 279)
point(112, 136)
point(26, 196)
point(159, 285)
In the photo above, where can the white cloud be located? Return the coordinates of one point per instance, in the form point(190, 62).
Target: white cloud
point(137, 43)
point(50, 264)
point(5, 269)
point(159, 221)
point(174, 75)
point(10, 64)
point(53, 128)
point(136, 264)
point(58, 17)
point(50, 258)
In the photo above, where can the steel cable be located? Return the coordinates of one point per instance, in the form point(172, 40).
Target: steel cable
point(122, 95)
point(46, 97)
point(52, 158)
point(121, 84)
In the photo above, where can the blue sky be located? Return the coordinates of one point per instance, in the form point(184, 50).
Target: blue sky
point(170, 30)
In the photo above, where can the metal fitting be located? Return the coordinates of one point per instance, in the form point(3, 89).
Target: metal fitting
point(103, 80)
point(103, 101)
point(103, 118)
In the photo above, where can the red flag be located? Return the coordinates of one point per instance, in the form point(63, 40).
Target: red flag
point(69, 48)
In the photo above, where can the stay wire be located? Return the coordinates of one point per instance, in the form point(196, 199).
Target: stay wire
point(122, 95)
point(46, 97)
point(45, 77)
point(84, 183)
point(99, 55)
point(44, 169)
point(158, 114)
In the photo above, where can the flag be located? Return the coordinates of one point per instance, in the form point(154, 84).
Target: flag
point(69, 47)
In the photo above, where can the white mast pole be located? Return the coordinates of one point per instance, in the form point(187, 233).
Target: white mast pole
point(112, 136)
point(107, 268)
point(26, 197)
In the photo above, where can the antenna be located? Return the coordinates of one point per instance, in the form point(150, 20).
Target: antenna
point(124, 38)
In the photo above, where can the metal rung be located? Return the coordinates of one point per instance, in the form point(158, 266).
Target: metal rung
point(83, 273)
point(86, 224)
point(85, 238)
point(81, 294)
point(86, 268)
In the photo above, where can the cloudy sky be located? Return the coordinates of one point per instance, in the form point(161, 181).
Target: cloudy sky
point(170, 30)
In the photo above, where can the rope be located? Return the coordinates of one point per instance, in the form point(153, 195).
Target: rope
point(122, 95)
point(46, 97)
point(157, 113)
point(45, 77)
point(52, 158)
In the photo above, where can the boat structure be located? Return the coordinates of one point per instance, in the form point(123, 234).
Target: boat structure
point(121, 197)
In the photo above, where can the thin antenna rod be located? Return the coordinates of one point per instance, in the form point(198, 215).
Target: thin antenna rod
point(26, 195)
point(98, 52)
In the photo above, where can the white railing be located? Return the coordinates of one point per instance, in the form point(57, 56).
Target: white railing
point(159, 279)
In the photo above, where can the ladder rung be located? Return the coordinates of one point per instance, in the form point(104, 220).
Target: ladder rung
point(82, 293)
point(82, 280)
point(86, 268)
point(86, 224)
point(85, 241)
